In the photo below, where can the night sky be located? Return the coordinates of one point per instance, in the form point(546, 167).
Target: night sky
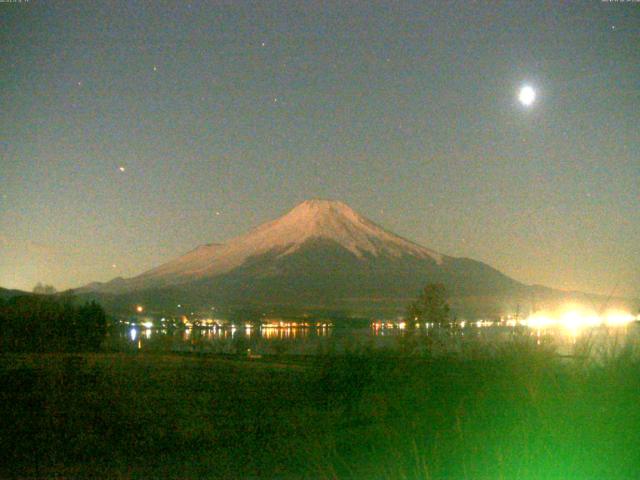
point(133, 132)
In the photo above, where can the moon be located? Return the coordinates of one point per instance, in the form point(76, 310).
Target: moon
point(527, 95)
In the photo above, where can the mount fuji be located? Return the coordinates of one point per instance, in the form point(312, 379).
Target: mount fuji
point(321, 254)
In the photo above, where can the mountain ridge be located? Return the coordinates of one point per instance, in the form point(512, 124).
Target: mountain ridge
point(323, 254)
point(315, 218)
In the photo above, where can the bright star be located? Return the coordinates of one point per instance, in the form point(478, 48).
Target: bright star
point(121, 168)
point(527, 95)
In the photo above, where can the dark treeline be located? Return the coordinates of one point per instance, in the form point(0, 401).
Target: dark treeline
point(43, 323)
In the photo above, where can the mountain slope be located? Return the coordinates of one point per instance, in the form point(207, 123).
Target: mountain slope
point(321, 254)
point(312, 219)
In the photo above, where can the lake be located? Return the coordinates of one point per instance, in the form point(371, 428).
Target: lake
point(319, 340)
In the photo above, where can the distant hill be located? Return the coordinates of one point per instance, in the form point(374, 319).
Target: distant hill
point(6, 294)
point(323, 255)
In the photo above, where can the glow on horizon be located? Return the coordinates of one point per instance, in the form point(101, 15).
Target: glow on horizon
point(574, 318)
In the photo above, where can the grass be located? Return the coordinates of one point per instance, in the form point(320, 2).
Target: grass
point(518, 411)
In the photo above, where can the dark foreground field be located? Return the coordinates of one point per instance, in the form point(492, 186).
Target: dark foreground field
point(518, 413)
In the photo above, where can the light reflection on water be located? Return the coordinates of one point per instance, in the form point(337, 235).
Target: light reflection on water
point(311, 340)
point(228, 339)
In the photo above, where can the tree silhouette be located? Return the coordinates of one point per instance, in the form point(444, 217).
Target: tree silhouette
point(37, 323)
point(44, 289)
point(431, 306)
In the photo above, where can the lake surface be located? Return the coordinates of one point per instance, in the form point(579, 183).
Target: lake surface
point(331, 339)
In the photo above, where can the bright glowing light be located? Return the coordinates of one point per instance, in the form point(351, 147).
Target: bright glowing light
point(121, 168)
point(574, 318)
point(527, 96)
point(139, 309)
point(539, 321)
point(571, 320)
point(616, 318)
point(148, 324)
point(133, 333)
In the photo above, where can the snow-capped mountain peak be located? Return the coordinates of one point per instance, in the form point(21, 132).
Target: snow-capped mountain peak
point(336, 221)
point(310, 220)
